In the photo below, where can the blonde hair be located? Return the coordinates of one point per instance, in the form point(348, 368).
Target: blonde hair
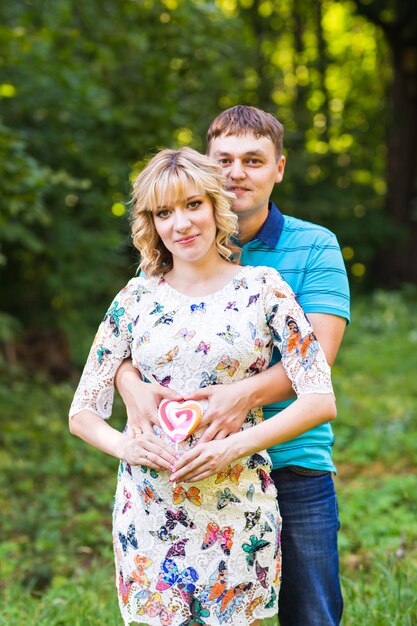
point(163, 181)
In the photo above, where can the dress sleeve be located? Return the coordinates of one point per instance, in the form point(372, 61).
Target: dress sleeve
point(302, 356)
point(110, 347)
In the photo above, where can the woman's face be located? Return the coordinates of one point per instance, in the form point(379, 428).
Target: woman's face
point(187, 226)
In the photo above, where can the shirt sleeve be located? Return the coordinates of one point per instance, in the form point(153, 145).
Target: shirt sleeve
point(110, 347)
point(302, 356)
point(325, 287)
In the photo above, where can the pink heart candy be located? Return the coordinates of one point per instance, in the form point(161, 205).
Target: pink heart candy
point(179, 419)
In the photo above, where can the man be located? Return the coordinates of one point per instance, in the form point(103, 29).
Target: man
point(247, 142)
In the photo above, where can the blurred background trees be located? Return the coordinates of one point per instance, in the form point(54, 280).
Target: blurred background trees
point(88, 90)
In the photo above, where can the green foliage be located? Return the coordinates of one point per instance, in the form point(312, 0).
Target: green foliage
point(378, 352)
point(92, 90)
point(87, 91)
point(46, 468)
point(56, 493)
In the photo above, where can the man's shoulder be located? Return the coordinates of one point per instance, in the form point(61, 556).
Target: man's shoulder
point(296, 228)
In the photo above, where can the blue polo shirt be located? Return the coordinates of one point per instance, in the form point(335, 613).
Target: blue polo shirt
point(308, 257)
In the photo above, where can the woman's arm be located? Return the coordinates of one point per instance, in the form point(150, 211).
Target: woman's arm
point(206, 459)
point(145, 449)
point(93, 398)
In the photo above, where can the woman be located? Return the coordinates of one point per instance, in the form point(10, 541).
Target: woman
point(206, 554)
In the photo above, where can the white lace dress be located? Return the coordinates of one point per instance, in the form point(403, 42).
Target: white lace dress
point(205, 552)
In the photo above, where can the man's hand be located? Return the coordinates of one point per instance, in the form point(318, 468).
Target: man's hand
point(147, 449)
point(142, 409)
point(203, 460)
point(226, 412)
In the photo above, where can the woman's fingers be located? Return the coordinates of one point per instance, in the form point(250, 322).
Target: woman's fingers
point(201, 460)
point(166, 454)
point(149, 450)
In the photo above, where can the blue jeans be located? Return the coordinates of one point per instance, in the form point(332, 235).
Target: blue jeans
point(310, 590)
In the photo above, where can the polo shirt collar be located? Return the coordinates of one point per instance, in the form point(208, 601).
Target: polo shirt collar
point(271, 230)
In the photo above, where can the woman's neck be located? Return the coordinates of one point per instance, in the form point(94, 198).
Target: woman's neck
point(201, 278)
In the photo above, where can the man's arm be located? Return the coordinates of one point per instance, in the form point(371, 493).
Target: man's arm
point(141, 399)
point(329, 330)
point(230, 404)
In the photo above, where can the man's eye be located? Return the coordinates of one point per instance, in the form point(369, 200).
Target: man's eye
point(224, 161)
point(254, 161)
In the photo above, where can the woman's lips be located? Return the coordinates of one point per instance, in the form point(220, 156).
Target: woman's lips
point(186, 240)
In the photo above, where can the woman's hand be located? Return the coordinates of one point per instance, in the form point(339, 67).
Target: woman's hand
point(203, 460)
point(147, 449)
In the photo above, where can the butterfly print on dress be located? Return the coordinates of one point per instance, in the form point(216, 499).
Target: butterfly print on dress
point(203, 347)
point(223, 535)
point(225, 497)
point(113, 315)
point(193, 494)
point(185, 334)
point(256, 544)
point(129, 539)
point(198, 308)
point(217, 594)
point(170, 575)
point(229, 334)
point(231, 473)
point(102, 353)
point(148, 495)
point(252, 299)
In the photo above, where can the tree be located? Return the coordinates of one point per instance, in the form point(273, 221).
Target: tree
point(398, 22)
point(88, 91)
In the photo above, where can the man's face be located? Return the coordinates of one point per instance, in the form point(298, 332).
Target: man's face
point(251, 168)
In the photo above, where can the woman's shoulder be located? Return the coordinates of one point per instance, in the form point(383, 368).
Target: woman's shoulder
point(269, 278)
point(262, 273)
point(139, 286)
point(144, 283)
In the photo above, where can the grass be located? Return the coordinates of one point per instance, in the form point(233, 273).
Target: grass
point(56, 493)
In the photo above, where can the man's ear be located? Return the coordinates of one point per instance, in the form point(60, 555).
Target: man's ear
point(280, 168)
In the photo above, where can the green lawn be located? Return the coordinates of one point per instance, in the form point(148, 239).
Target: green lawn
point(56, 493)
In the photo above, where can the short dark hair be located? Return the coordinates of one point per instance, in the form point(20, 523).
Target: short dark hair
point(241, 119)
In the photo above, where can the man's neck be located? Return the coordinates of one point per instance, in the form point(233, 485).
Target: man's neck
point(250, 226)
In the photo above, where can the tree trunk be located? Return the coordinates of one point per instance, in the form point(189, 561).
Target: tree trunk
point(399, 264)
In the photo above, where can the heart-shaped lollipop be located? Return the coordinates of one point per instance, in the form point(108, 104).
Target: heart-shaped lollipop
point(179, 419)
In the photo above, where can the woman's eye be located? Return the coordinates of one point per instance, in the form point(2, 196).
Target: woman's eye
point(162, 214)
point(194, 204)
